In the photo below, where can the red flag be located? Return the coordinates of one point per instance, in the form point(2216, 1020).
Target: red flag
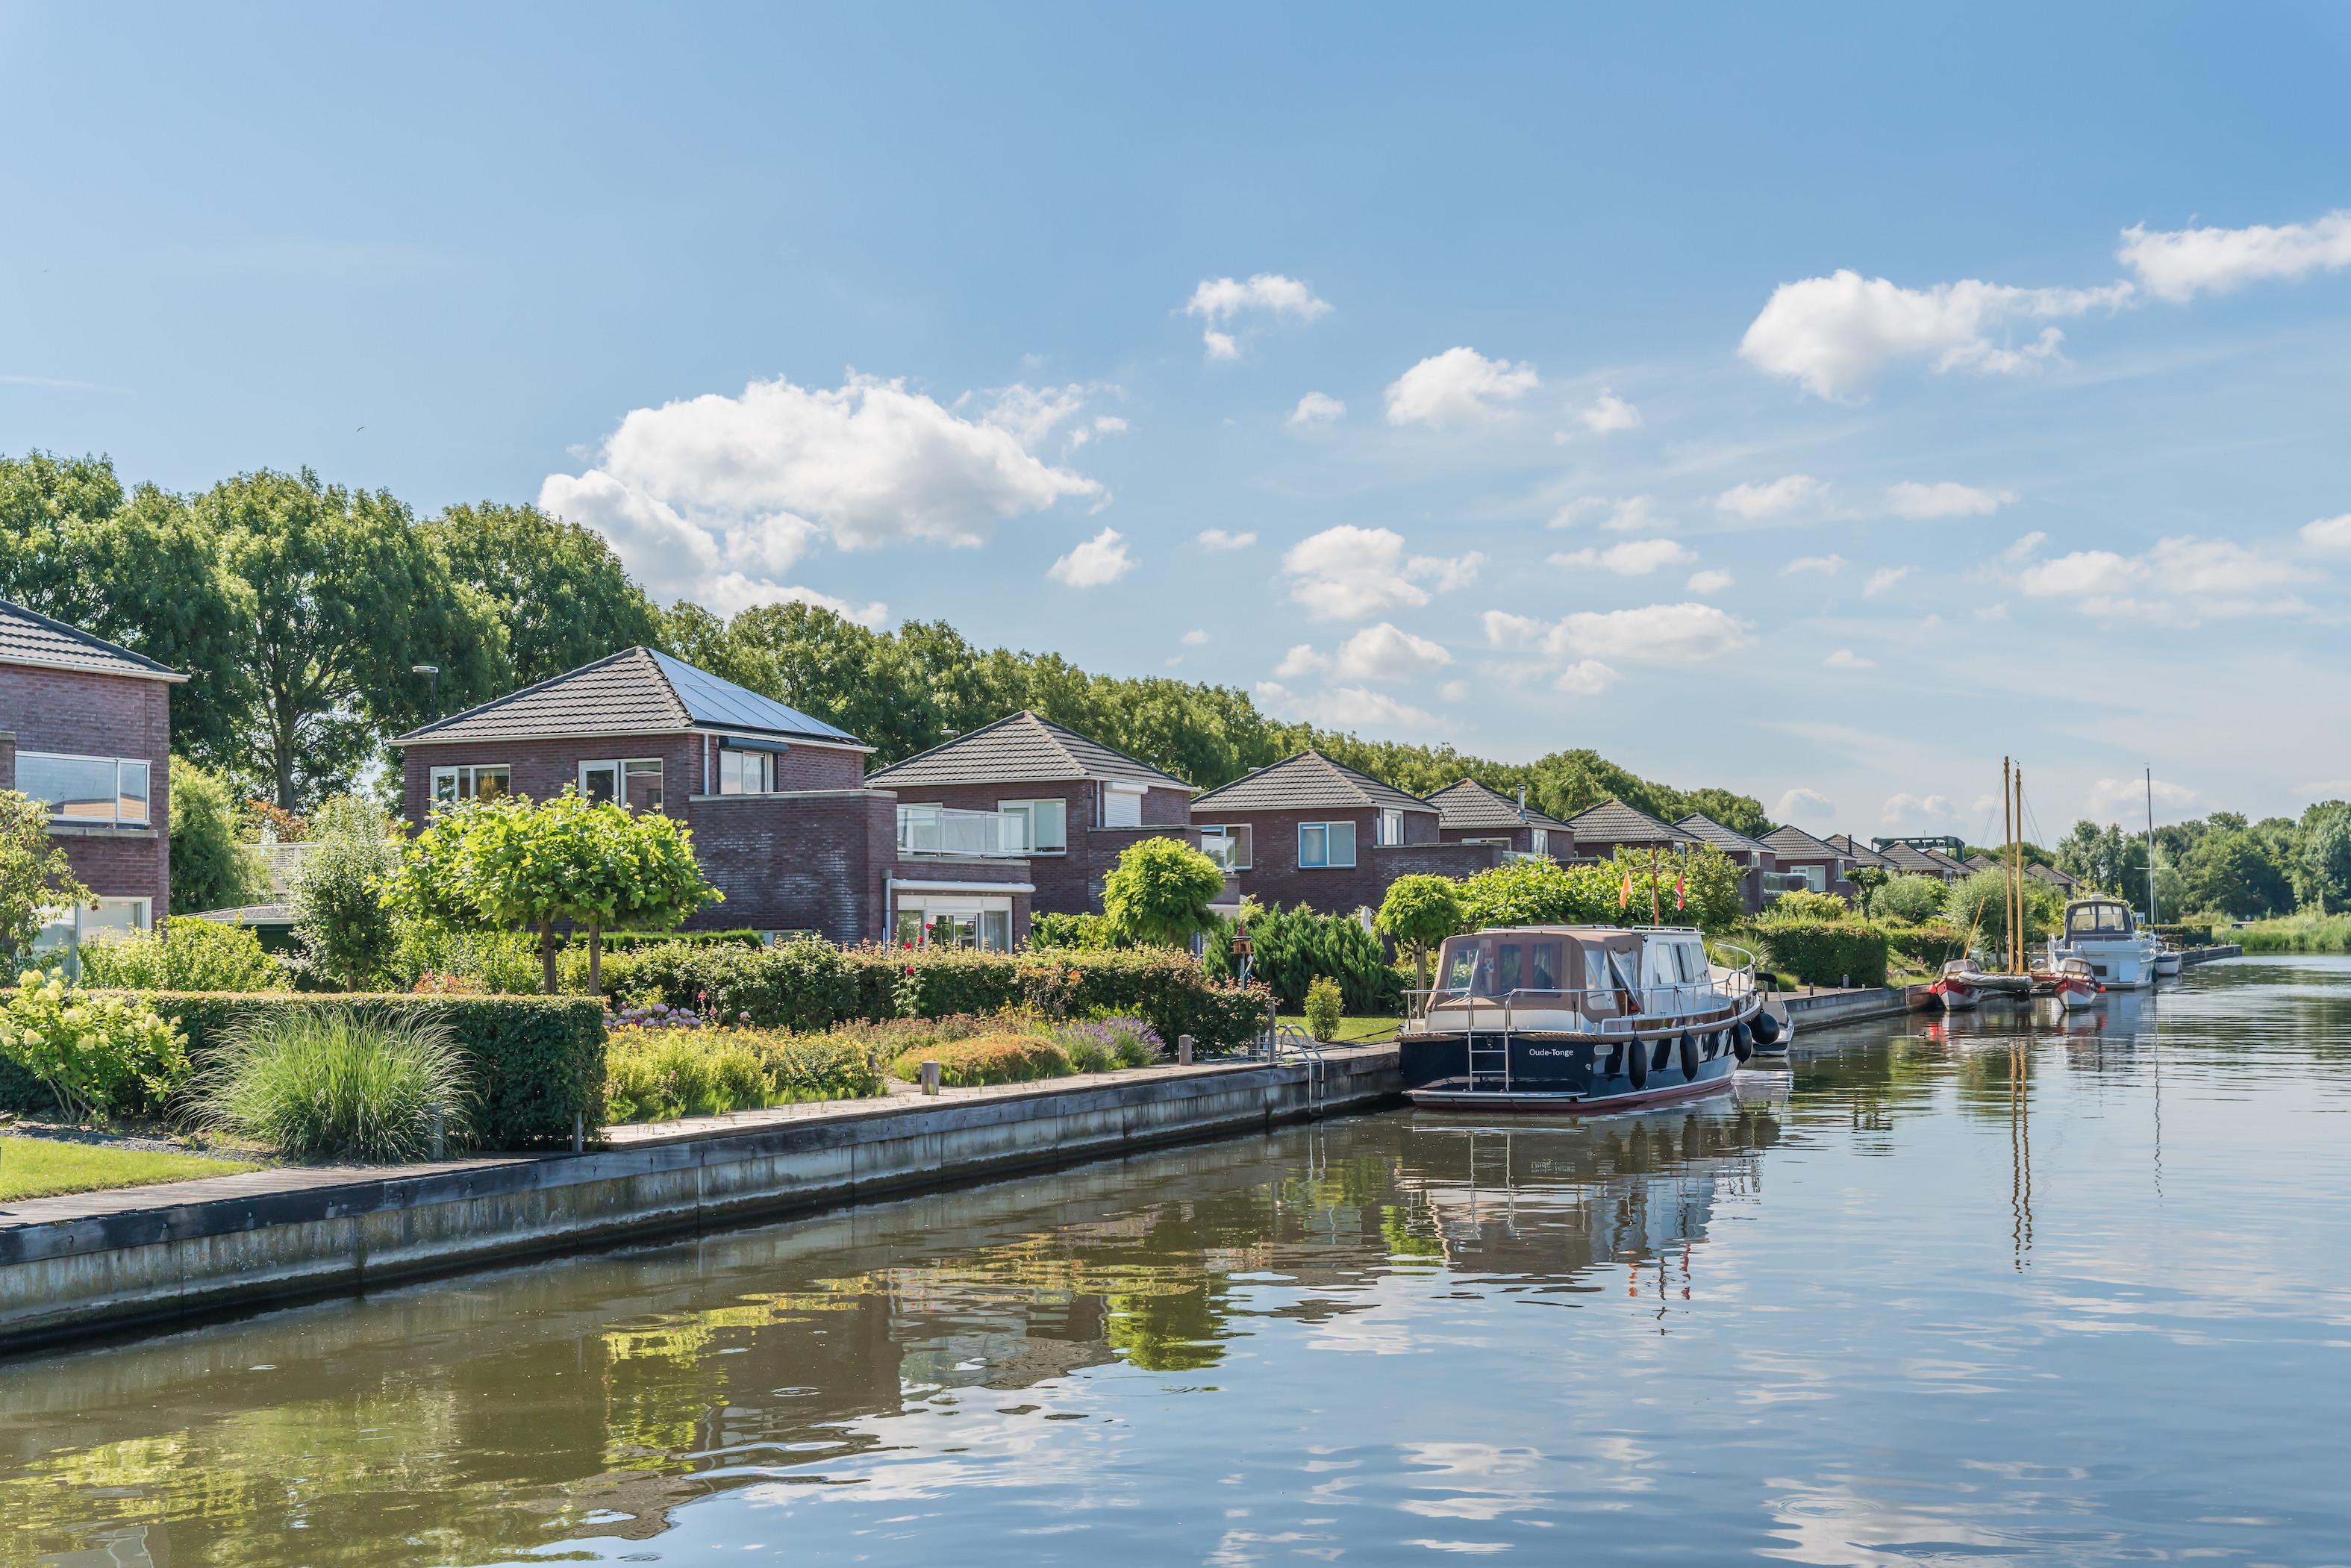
point(1624, 894)
point(1678, 879)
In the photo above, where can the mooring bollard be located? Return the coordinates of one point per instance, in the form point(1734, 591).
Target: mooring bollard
point(440, 1126)
point(1184, 1051)
point(930, 1078)
point(579, 1131)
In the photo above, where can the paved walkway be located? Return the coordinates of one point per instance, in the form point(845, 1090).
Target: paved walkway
point(901, 1100)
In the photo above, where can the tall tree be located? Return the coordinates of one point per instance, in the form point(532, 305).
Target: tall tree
point(560, 593)
point(136, 570)
point(345, 595)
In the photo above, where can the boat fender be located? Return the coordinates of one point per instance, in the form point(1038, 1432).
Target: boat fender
point(1689, 1056)
point(1742, 1042)
point(1766, 1027)
point(1637, 1063)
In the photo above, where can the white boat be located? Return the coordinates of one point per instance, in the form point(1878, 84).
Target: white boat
point(2166, 957)
point(1579, 1019)
point(2071, 983)
point(1960, 987)
point(2103, 933)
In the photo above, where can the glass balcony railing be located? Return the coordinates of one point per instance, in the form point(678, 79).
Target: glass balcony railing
point(943, 830)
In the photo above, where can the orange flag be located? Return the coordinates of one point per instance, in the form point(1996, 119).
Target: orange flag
point(1678, 880)
point(1624, 894)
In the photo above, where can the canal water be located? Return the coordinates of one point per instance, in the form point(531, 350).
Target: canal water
point(2009, 1288)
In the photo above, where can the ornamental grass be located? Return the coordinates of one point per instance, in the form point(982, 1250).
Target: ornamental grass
point(338, 1083)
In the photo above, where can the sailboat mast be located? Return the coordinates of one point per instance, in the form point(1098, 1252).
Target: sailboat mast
point(2007, 866)
point(2024, 953)
point(2150, 847)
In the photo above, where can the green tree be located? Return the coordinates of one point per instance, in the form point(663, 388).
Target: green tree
point(346, 935)
point(2229, 870)
point(560, 592)
point(1533, 892)
point(1979, 904)
point(1419, 911)
point(1159, 893)
point(2322, 870)
point(509, 862)
point(35, 879)
point(212, 866)
point(135, 569)
point(1911, 898)
point(1868, 882)
point(344, 596)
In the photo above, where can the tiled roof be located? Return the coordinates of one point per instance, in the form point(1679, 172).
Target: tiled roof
point(1470, 804)
point(1982, 862)
point(637, 691)
point(1308, 781)
point(29, 637)
point(1911, 860)
point(2050, 875)
point(1862, 853)
point(1613, 822)
point(1729, 841)
point(1021, 748)
point(1950, 867)
point(1794, 844)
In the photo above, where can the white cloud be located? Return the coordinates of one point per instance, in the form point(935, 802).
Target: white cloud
point(1846, 659)
point(1835, 335)
point(2083, 571)
point(1460, 386)
point(1196, 638)
point(1654, 634)
point(1997, 610)
point(1349, 573)
point(1386, 651)
point(1634, 557)
point(1908, 808)
point(1632, 514)
point(1609, 413)
point(1219, 301)
point(2110, 799)
point(1945, 499)
point(1505, 628)
point(1809, 804)
point(1453, 691)
point(1345, 708)
point(2024, 546)
point(2180, 262)
point(1104, 425)
point(1585, 678)
point(1709, 581)
point(1301, 660)
point(1755, 501)
point(2332, 534)
point(1218, 540)
point(1101, 559)
point(1884, 579)
point(1316, 408)
point(1826, 565)
point(2215, 579)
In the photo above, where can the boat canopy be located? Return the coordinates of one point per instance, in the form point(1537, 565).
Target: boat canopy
point(1541, 959)
point(2099, 917)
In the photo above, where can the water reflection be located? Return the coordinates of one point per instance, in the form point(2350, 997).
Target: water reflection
point(2002, 1284)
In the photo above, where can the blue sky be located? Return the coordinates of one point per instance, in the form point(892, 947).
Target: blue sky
point(926, 312)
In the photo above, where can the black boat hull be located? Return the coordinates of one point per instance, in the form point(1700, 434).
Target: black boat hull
point(1555, 1074)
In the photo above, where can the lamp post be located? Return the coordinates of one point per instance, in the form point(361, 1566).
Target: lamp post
point(434, 673)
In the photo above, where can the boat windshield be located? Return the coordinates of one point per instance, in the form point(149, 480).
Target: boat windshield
point(1496, 965)
point(2103, 919)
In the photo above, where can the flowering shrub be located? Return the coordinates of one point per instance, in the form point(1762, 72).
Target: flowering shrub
point(1099, 1045)
point(186, 954)
point(654, 1016)
point(988, 1058)
point(440, 983)
point(666, 1070)
point(98, 1055)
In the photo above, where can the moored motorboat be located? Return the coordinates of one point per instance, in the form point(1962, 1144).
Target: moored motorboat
point(2071, 982)
point(1959, 986)
point(2168, 958)
point(2104, 933)
point(1581, 1018)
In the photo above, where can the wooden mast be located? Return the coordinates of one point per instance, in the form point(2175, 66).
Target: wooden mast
point(2023, 957)
point(2007, 868)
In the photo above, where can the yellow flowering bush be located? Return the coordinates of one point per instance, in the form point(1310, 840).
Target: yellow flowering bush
point(100, 1055)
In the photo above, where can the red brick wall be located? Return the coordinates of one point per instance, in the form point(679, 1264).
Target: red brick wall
point(543, 767)
point(87, 714)
point(1560, 846)
point(808, 861)
point(1069, 883)
point(1276, 876)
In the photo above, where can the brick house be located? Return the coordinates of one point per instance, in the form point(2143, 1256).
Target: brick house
point(1863, 857)
point(1756, 863)
point(1603, 829)
point(1071, 802)
point(1821, 863)
point(85, 727)
point(1313, 831)
point(1471, 813)
point(1910, 860)
point(784, 822)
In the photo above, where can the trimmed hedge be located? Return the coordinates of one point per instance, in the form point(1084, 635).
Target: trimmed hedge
point(1929, 945)
point(811, 985)
point(1825, 952)
point(537, 1061)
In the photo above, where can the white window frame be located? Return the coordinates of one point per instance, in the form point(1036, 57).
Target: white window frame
point(75, 920)
point(1025, 813)
point(621, 767)
point(983, 910)
point(1229, 834)
point(1114, 791)
point(118, 763)
point(1538, 841)
point(766, 769)
point(1326, 830)
point(458, 773)
point(1389, 828)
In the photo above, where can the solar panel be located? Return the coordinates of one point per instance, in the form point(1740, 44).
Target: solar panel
point(709, 700)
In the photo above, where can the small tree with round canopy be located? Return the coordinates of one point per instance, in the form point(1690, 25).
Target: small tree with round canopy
point(1159, 893)
point(1419, 911)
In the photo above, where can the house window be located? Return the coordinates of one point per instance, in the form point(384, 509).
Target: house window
point(103, 791)
point(472, 782)
point(1815, 877)
point(745, 772)
point(1328, 845)
point(1121, 806)
point(1035, 827)
point(1227, 845)
point(636, 782)
point(65, 930)
point(1539, 838)
point(929, 920)
point(1390, 828)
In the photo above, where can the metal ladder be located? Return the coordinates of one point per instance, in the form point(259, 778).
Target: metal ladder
point(1490, 1064)
point(1310, 1052)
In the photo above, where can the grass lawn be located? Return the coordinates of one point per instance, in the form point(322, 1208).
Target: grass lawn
point(44, 1167)
point(1352, 1029)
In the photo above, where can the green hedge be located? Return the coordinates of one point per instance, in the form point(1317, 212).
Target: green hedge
point(1929, 945)
point(1825, 952)
point(1289, 947)
point(811, 985)
point(538, 1060)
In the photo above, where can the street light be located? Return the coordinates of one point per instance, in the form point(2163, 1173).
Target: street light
point(434, 672)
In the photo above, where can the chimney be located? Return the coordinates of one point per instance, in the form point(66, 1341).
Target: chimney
point(1523, 800)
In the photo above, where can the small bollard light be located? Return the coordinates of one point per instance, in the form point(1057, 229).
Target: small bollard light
point(440, 1128)
point(930, 1078)
point(1184, 1051)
